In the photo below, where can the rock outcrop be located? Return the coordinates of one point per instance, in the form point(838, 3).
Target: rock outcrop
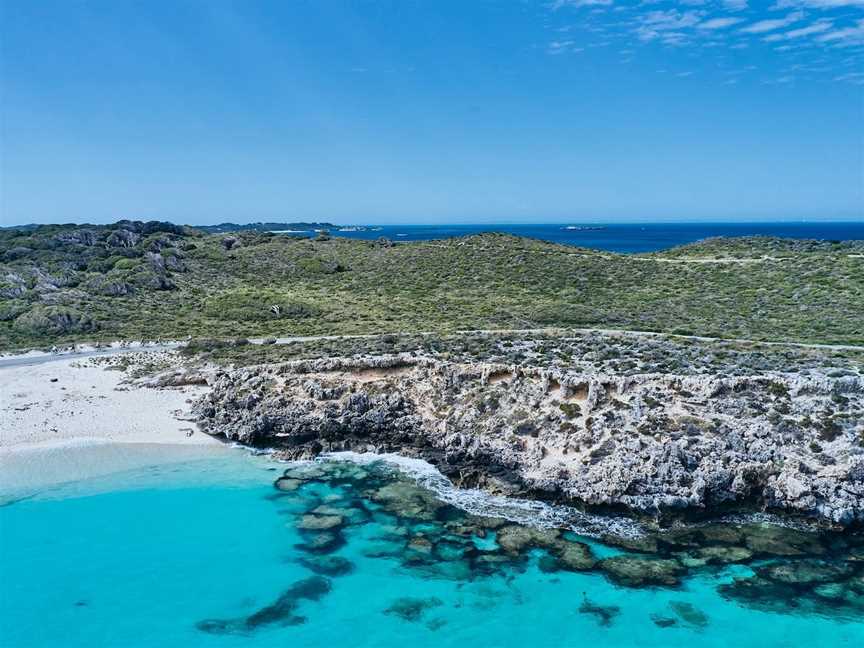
point(653, 443)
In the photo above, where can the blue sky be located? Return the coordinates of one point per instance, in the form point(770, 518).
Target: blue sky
point(431, 111)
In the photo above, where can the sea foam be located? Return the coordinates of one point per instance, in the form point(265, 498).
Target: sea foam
point(478, 502)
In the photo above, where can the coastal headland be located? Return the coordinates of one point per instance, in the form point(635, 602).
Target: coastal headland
point(525, 379)
point(664, 404)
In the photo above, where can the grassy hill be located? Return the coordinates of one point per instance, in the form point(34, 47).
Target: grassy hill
point(128, 280)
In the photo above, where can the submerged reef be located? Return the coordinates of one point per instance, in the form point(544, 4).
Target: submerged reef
point(281, 611)
point(775, 568)
point(383, 515)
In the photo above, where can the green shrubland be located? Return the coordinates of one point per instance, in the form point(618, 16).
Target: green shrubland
point(158, 280)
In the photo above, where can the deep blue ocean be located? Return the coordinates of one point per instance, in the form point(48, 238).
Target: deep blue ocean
point(625, 238)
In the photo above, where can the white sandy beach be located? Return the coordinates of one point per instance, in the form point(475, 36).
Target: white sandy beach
point(72, 399)
point(70, 418)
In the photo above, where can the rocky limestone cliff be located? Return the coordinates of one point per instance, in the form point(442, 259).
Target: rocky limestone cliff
point(653, 443)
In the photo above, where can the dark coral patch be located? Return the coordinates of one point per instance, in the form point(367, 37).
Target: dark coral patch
point(280, 612)
point(604, 614)
point(412, 609)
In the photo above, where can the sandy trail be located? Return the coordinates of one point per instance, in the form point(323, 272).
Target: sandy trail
point(84, 350)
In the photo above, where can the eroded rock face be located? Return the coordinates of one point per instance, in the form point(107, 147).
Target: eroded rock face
point(652, 442)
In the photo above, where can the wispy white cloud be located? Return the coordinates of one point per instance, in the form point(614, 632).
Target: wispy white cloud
point(817, 4)
point(782, 30)
point(562, 47)
point(558, 4)
point(666, 25)
point(774, 23)
point(845, 36)
point(851, 77)
point(783, 80)
point(719, 23)
point(818, 27)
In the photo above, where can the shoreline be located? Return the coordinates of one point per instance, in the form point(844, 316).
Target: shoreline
point(108, 421)
point(100, 406)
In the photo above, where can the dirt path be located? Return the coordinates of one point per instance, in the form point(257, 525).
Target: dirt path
point(84, 351)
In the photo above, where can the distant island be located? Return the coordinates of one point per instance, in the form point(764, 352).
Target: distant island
point(264, 227)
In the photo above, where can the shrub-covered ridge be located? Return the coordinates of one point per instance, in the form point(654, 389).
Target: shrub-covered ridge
point(64, 283)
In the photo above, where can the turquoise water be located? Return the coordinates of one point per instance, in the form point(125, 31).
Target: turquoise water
point(198, 554)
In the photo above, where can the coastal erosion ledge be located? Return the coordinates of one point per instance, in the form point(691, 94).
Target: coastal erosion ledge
point(657, 444)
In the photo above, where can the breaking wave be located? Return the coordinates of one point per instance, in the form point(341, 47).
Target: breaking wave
point(477, 502)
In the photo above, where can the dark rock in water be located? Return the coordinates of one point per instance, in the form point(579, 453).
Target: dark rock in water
point(421, 545)
point(833, 599)
point(287, 484)
point(281, 611)
point(724, 555)
point(714, 555)
point(349, 515)
point(436, 624)
point(323, 542)
point(723, 534)
point(688, 614)
point(313, 589)
point(771, 540)
point(305, 472)
point(328, 565)
point(856, 583)
point(805, 572)
point(548, 564)
point(412, 609)
point(490, 563)
point(446, 550)
point(491, 523)
point(408, 500)
point(385, 548)
point(218, 626)
point(761, 594)
point(455, 570)
point(515, 538)
point(647, 543)
point(834, 592)
point(663, 622)
point(635, 571)
point(604, 613)
point(320, 522)
point(573, 555)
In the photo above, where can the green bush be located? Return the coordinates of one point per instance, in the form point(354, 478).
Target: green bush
point(12, 308)
point(122, 263)
point(54, 320)
point(256, 305)
point(317, 265)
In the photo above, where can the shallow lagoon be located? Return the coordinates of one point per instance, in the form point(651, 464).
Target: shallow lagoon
point(208, 553)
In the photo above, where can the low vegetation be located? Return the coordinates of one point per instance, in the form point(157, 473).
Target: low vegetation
point(618, 354)
point(66, 283)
